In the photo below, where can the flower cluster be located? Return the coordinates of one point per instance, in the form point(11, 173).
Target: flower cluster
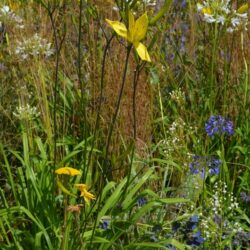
point(34, 46)
point(8, 16)
point(217, 125)
point(190, 231)
point(26, 112)
point(241, 239)
point(178, 96)
point(222, 215)
point(200, 163)
point(219, 12)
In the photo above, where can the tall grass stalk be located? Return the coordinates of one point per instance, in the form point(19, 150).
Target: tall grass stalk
point(246, 71)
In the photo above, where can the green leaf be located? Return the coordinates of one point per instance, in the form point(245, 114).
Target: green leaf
point(173, 200)
point(145, 244)
point(112, 200)
point(143, 210)
point(129, 197)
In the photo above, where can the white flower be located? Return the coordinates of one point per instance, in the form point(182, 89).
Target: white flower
point(220, 19)
point(235, 21)
point(5, 9)
point(199, 6)
point(17, 50)
point(243, 15)
point(230, 30)
point(209, 18)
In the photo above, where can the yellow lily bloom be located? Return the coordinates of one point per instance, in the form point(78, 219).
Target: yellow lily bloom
point(84, 192)
point(68, 171)
point(134, 34)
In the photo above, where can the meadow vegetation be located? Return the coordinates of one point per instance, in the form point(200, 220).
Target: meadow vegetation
point(125, 124)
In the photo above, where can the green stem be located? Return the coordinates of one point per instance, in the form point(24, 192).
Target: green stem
point(161, 109)
point(165, 8)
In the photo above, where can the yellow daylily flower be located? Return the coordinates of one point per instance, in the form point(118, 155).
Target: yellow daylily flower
point(68, 171)
point(134, 34)
point(243, 8)
point(84, 192)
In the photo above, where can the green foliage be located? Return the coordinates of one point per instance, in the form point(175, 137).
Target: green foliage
point(160, 137)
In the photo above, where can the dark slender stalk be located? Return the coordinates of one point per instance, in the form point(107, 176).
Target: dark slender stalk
point(97, 117)
point(82, 104)
point(135, 83)
point(58, 46)
point(109, 139)
point(117, 106)
point(55, 86)
point(99, 102)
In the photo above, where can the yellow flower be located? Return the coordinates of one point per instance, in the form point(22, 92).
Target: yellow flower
point(68, 171)
point(207, 11)
point(134, 34)
point(84, 192)
point(243, 8)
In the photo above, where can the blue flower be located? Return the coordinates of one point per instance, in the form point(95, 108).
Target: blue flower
point(104, 225)
point(170, 246)
point(195, 167)
point(182, 3)
point(141, 201)
point(196, 240)
point(194, 218)
point(192, 223)
point(218, 125)
point(201, 162)
point(245, 197)
point(214, 166)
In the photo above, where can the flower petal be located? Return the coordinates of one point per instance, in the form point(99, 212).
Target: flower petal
point(68, 171)
point(119, 28)
point(140, 29)
point(84, 193)
point(81, 186)
point(142, 52)
point(207, 10)
point(243, 8)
